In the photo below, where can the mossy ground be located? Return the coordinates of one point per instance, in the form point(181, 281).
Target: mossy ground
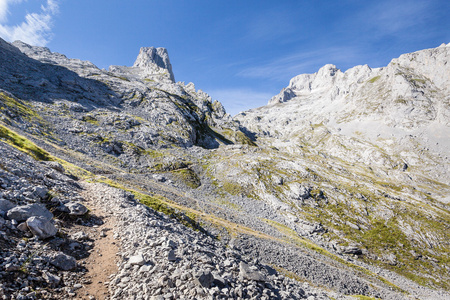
point(23, 144)
point(18, 107)
point(188, 177)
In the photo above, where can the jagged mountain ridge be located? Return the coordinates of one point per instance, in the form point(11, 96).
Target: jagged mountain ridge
point(133, 104)
point(403, 108)
point(304, 196)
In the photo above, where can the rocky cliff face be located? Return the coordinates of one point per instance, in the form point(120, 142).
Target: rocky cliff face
point(116, 113)
point(402, 108)
point(153, 61)
point(341, 181)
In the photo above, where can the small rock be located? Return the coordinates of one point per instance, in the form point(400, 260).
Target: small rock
point(63, 261)
point(52, 279)
point(390, 258)
point(145, 268)
point(246, 273)
point(159, 177)
point(219, 281)
point(171, 256)
point(23, 227)
point(6, 205)
point(80, 236)
point(204, 278)
point(352, 250)
point(137, 260)
point(55, 166)
point(171, 244)
point(11, 267)
point(40, 191)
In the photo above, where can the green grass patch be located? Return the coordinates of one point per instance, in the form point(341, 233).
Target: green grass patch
point(233, 188)
point(18, 107)
point(422, 81)
point(159, 203)
point(385, 236)
point(373, 79)
point(23, 144)
point(238, 137)
point(90, 119)
point(188, 177)
point(401, 101)
point(361, 297)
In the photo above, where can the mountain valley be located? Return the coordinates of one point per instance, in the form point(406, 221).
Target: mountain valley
point(339, 188)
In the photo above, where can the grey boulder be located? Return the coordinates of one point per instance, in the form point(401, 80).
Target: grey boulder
point(22, 213)
point(41, 227)
point(63, 261)
point(40, 192)
point(51, 279)
point(76, 209)
point(245, 272)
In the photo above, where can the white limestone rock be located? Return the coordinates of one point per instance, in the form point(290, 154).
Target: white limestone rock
point(154, 61)
point(137, 260)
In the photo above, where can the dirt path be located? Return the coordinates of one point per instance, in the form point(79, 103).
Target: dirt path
point(101, 263)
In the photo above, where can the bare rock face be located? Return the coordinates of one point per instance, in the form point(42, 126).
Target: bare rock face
point(141, 106)
point(399, 108)
point(153, 61)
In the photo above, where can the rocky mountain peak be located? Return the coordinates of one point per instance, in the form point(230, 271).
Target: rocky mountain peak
point(151, 60)
point(328, 70)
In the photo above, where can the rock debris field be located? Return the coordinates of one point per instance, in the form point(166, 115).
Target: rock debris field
point(158, 257)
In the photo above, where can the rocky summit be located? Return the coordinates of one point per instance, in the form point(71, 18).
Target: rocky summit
point(125, 184)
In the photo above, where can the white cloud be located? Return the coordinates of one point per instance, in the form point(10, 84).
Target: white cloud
point(4, 9)
point(236, 100)
point(35, 30)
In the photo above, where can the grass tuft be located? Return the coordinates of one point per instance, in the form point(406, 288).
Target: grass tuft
point(23, 144)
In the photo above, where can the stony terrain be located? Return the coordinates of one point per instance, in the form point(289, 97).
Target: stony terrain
point(127, 184)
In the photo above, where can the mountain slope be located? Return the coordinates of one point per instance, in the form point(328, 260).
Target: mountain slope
point(343, 185)
point(377, 143)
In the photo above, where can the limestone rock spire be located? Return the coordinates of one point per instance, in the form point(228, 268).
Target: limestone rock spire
point(155, 61)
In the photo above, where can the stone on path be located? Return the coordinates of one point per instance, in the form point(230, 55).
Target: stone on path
point(63, 261)
point(76, 209)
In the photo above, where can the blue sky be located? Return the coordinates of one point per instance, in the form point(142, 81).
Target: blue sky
point(240, 52)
